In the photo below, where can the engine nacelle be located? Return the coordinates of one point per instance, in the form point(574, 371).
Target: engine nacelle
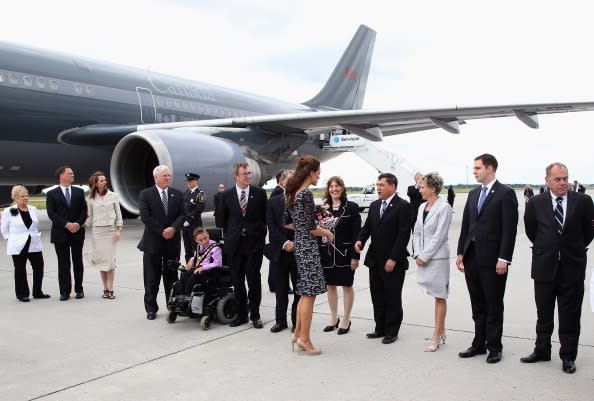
point(138, 153)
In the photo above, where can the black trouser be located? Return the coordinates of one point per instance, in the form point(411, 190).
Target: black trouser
point(486, 289)
point(245, 266)
point(189, 243)
point(63, 251)
point(569, 294)
point(282, 270)
point(386, 297)
point(155, 265)
point(187, 281)
point(21, 285)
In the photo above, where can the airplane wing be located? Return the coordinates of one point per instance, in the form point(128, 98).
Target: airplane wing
point(375, 124)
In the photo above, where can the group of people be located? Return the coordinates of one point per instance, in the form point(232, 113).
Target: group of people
point(70, 213)
point(318, 256)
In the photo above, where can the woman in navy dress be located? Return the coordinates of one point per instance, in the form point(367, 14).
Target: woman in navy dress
point(300, 212)
point(339, 260)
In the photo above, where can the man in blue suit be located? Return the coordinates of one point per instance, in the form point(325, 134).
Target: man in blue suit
point(485, 249)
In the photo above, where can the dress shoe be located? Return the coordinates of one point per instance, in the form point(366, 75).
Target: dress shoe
point(64, 297)
point(24, 299)
point(389, 339)
point(278, 327)
point(534, 357)
point(258, 324)
point(41, 296)
point(331, 328)
point(342, 331)
point(151, 315)
point(238, 322)
point(568, 366)
point(472, 351)
point(494, 357)
point(80, 295)
point(374, 335)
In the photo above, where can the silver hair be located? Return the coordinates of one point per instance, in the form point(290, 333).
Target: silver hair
point(285, 174)
point(17, 190)
point(157, 170)
point(433, 180)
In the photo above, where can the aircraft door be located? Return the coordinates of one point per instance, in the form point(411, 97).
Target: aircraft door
point(148, 108)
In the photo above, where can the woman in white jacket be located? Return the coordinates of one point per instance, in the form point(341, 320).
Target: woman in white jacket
point(432, 252)
point(19, 228)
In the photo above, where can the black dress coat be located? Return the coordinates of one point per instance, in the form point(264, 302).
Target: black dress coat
point(60, 213)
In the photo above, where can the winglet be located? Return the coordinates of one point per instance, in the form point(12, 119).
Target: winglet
point(345, 89)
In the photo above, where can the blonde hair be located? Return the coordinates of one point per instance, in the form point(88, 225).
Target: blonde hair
point(17, 191)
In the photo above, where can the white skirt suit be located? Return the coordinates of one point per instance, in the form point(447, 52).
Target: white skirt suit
point(430, 242)
point(104, 218)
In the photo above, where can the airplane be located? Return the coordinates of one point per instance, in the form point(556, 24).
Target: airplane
point(58, 109)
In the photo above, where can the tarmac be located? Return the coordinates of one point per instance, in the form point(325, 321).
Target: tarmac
point(98, 349)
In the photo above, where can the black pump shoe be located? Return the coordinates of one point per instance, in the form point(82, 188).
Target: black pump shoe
point(344, 331)
point(331, 328)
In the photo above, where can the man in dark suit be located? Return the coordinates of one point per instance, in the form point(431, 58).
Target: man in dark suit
point(243, 217)
point(194, 200)
point(415, 197)
point(279, 251)
point(162, 213)
point(67, 209)
point(217, 201)
point(559, 223)
point(485, 249)
point(388, 225)
point(278, 190)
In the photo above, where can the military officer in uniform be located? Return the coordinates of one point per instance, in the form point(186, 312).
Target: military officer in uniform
point(194, 200)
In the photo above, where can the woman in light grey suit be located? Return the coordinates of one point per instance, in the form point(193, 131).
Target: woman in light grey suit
point(432, 252)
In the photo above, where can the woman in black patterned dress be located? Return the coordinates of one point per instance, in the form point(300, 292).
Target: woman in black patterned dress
point(310, 276)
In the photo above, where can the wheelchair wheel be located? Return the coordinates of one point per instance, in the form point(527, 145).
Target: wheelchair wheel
point(171, 317)
point(205, 322)
point(227, 309)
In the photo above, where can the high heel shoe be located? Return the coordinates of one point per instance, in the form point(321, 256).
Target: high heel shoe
point(434, 343)
point(293, 342)
point(331, 328)
point(344, 331)
point(303, 348)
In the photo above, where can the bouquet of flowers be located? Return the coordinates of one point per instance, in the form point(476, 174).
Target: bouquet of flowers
point(325, 218)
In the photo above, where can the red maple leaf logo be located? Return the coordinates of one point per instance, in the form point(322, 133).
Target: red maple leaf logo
point(351, 74)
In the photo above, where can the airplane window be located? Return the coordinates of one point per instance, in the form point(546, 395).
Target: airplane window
point(168, 102)
point(28, 80)
point(1, 77)
point(41, 83)
point(14, 79)
point(78, 88)
point(177, 104)
point(54, 84)
point(160, 101)
point(90, 91)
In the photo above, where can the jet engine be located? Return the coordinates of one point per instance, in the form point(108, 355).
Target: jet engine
point(137, 154)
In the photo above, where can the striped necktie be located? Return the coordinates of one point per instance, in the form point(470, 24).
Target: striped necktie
point(165, 201)
point(559, 215)
point(383, 208)
point(243, 202)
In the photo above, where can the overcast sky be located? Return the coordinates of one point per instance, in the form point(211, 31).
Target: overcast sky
point(427, 54)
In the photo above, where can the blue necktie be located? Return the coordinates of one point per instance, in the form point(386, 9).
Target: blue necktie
point(482, 198)
point(67, 196)
point(383, 208)
point(559, 215)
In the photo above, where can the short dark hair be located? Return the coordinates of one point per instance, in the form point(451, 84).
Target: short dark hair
point(279, 175)
point(488, 160)
point(389, 177)
point(61, 170)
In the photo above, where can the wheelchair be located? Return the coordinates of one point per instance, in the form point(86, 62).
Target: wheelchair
point(211, 299)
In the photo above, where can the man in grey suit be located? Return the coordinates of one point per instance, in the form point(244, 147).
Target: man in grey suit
point(485, 249)
point(559, 223)
point(162, 213)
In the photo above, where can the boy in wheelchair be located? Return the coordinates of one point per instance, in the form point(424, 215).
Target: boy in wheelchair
point(204, 288)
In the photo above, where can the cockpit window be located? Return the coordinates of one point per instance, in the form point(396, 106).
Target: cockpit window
point(54, 84)
point(1, 77)
point(78, 88)
point(41, 83)
point(14, 79)
point(28, 81)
